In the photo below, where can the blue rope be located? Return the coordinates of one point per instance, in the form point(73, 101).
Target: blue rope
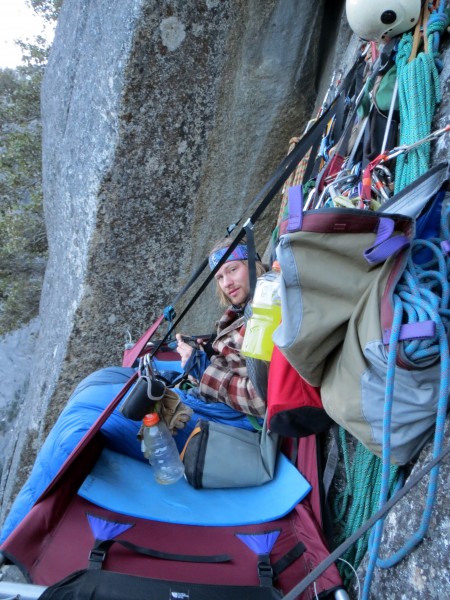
point(437, 24)
point(423, 293)
point(389, 394)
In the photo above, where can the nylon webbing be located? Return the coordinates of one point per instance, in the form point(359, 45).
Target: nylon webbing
point(285, 561)
point(98, 554)
point(251, 250)
point(192, 279)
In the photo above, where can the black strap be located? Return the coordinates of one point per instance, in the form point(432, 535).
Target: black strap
point(285, 561)
point(265, 571)
point(251, 249)
point(312, 164)
point(192, 279)
point(101, 547)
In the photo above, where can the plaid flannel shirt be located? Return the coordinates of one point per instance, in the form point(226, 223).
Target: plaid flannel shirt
point(226, 379)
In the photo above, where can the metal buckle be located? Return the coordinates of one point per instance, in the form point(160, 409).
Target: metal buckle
point(97, 556)
point(265, 573)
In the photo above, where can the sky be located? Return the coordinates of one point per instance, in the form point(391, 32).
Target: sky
point(17, 21)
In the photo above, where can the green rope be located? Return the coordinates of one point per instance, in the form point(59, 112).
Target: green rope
point(359, 501)
point(419, 93)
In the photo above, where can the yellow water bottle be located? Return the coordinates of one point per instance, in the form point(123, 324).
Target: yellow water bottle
point(266, 316)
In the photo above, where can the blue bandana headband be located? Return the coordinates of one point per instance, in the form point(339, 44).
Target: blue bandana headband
point(239, 253)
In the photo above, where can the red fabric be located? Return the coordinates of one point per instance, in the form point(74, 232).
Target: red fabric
point(294, 407)
point(331, 171)
point(54, 540)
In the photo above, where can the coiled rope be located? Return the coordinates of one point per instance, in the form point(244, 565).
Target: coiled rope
point(419, 93)
point(422, 294)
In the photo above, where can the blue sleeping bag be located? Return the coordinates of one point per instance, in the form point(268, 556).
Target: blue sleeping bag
point(92, 395)
point(85, 405)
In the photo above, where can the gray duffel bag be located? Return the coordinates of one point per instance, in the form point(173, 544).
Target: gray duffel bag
point(222, 456)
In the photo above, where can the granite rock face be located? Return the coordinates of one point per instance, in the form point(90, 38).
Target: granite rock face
point(162, 121)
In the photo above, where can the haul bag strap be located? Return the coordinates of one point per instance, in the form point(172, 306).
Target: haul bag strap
point(268, 572)
point(412, 331)
point(101, 547)
point(385, 244)
point(265, 571)
point(295, 200)
point(290, 557)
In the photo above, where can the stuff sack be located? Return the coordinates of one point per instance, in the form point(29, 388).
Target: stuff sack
point(340, 268)
point(294, 407)
point(207, 453)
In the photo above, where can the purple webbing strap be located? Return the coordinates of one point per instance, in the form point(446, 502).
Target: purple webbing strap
point(412, 331)
point(385, 245)
point(295, 207)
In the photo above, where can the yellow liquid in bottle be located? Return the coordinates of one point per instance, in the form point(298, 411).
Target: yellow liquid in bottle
point(260, 327)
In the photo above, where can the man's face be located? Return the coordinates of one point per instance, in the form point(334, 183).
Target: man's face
point(233, 280)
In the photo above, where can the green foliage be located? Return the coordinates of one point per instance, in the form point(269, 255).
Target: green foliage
point(23, 245)
point(49, 9)
point(34, 54)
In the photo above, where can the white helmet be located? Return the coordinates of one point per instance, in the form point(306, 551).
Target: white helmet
point(378, 20)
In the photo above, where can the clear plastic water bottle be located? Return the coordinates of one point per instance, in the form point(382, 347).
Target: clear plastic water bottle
point(160, 449)
point(266, 316)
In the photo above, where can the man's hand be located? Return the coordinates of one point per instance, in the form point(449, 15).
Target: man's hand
point(183, 349)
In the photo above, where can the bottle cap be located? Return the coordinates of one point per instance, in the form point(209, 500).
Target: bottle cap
point(276, 266)
point(151, 419)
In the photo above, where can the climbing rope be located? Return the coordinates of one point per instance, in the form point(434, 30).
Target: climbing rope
point(422, 293)
point(419, 93)
point(359, 501)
